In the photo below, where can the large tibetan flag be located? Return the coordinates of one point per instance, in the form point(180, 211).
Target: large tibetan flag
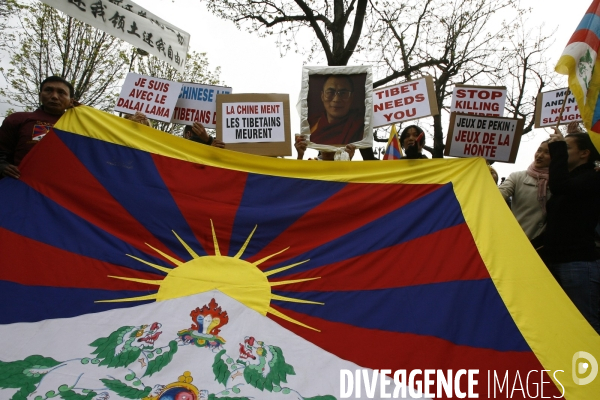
point(579, 61)
point(393, 151)
point(151, 260)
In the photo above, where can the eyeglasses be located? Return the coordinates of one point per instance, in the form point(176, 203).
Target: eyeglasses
point(330, 94)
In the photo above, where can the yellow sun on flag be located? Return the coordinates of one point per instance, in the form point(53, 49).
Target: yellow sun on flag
point(235, 277)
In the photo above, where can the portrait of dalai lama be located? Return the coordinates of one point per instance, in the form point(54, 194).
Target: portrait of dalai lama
point(337, 116)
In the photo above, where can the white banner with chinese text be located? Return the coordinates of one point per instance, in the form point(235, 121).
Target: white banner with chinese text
point(127, 21)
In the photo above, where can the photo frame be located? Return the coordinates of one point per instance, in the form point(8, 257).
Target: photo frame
point(331, 117)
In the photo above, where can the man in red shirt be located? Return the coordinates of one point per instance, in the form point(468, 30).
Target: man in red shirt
point(20, 131)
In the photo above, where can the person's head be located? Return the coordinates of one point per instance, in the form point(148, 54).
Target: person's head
point(56, 95)
point(409, 136)
point(542, 156)
point(581, 150)
point(337, 96)
point(188, 133)
point(494, 174)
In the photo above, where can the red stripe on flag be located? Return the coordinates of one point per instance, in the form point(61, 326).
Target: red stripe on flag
point(71, 185)
point(49, 266)
point(205, 193)
point(586, 36)
point(594, 8)
point(369, 202)
point(455, 243)
point(376, 349)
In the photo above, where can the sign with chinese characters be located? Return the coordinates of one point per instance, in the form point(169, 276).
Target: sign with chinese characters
point(152, 96)
point(127, 21)
point(404, 102)
point(479, 100)
point(198, 103)
point(493, 138)
point(548, 106)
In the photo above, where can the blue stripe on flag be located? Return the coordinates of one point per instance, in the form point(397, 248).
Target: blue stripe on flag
point(267, 203)
point(25, 304)
point(48, 222)
point(590, 22)
point(131, 177)
point(469, 313)
point(436, 211)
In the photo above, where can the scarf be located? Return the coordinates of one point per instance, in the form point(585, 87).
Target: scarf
point(541, 175)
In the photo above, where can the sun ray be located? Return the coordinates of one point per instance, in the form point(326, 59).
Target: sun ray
point(290, 319)
point(156, 282)
point(293, 300)
point(274, 271)
point(188, 248)
point(139, 298)
point(168, 257)
point(292, 281)
point(158, 267)
point(239, 253)
point(215, 241)
point(268, 257)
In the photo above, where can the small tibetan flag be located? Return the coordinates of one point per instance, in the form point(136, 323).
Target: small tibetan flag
point(393, 151)
point(578, 61)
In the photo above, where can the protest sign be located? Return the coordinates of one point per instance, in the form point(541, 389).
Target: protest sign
point(152, 96)
point(494, 138)
point(548, 106)
point(479, 100)
point(127, 21)
point(198, 102)
point(255, 123)
point(404, 102)
point(347, 99)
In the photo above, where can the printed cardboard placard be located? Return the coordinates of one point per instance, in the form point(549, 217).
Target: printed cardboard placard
point(154, 97)
point(493, 138)
point(336, 107)
point(404, 102)
point(255, 123)
point(198, 103)
point(548, 106)
point(479, 100)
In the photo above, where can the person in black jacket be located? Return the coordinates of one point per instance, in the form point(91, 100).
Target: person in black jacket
point(569, 247)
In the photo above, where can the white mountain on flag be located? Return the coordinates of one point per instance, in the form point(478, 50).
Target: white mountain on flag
point(200, 347)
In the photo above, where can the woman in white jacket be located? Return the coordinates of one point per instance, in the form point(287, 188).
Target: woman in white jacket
point(529, 192)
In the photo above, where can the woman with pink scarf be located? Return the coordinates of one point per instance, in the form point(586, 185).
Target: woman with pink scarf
point(529, 192)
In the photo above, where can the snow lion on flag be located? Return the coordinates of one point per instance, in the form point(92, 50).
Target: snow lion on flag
point(118, 364)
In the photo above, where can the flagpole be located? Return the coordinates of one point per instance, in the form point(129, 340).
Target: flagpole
point(567, 93)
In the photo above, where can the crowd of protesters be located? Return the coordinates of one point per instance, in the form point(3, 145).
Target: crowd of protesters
point(556, 200)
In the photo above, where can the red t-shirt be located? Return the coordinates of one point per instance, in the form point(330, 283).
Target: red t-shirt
point(21, 131)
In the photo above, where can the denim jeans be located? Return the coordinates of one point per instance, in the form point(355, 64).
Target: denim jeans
point(581, 282)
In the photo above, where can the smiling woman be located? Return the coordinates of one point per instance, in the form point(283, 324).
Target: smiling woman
point(232, 276)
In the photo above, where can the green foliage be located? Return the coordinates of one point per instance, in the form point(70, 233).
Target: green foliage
point(106, 349)
point(16, 374)
point(213, 397)
point(46, 42)
point(278, 372)
point(220, 368)
point(161, 361)
point(71, 395)
point(24, 374)
point(124, 390)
